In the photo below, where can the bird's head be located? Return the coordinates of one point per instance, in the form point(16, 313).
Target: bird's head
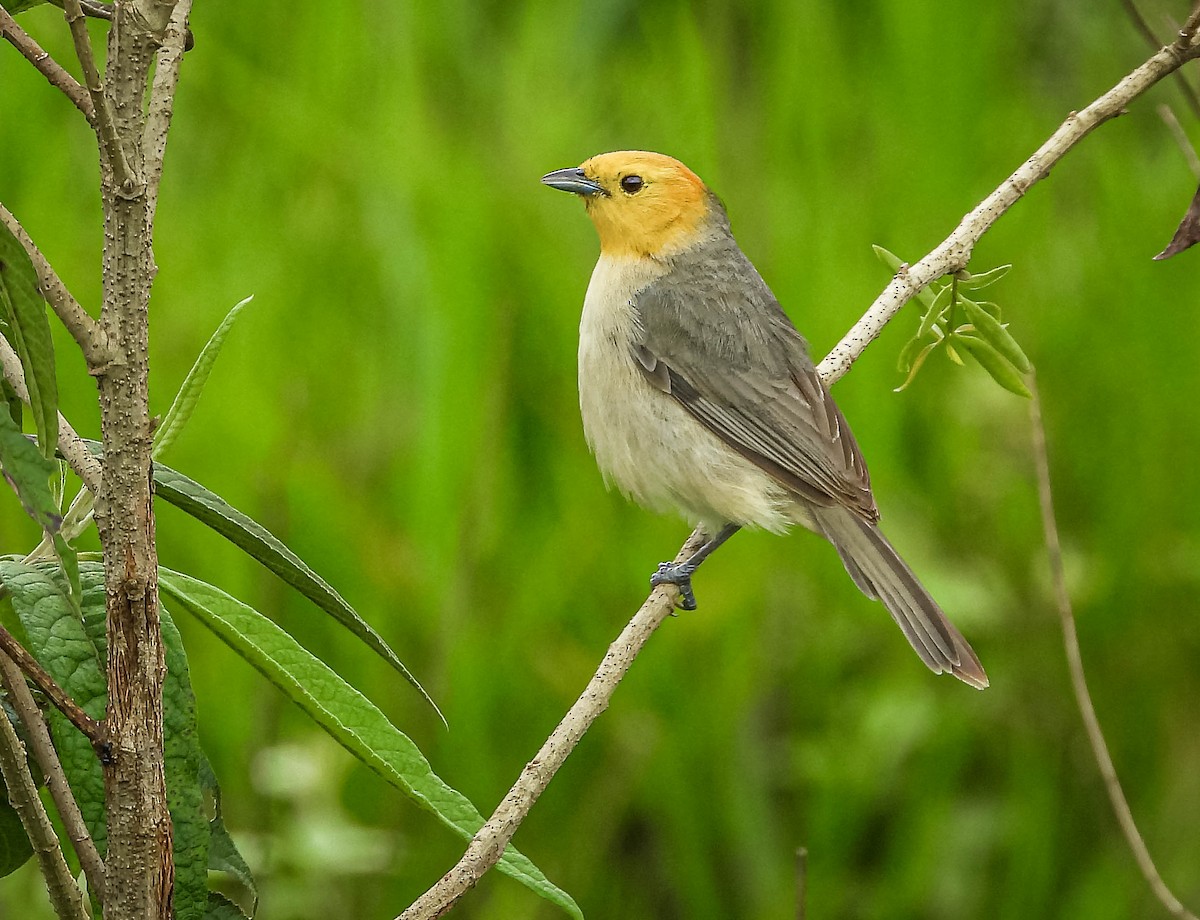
point(643, 204)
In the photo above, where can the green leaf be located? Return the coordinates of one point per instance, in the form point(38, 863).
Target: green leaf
point(991, 330)
point(58, 640)
point(15, 848)
point(20, 6)
point(221, 908)
point(926, 295)
point(916, 366)
point(69, 560)
point(193, 384)
point(349, 717)
point(1001, 370)
point(24, 312)
point(982, 279)
point(72, 651)
point(28, 472)
point(938, 308)
point(259, 543)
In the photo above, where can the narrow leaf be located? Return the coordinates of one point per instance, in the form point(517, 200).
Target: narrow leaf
point(259, 543)
point(992, 331)
point(28, 472)
point(998, 366)
point(69, 560)
point(926, 295)
point(981, 280)
point(349, 717)
point(934, 314)
point(24, 313)
point(193, 384)
point(916, 366)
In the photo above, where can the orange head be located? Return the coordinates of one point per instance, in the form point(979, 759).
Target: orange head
point(643, 204)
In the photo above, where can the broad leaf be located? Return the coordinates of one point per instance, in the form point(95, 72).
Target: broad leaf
point(349, 717)
point(58, 640)
point(72, 651)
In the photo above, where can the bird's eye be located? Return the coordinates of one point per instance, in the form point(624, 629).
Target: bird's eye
point(631, 184)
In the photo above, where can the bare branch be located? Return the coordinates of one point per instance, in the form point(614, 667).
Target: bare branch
point(106, 129)
point(46, 65)
point(65, 896)
point(83, 328)
point(1078, 681)
point(954, 252)
point(162, 98)
point(488, 844)
point(70, 444)
point(1143, 28)
point(56, 780)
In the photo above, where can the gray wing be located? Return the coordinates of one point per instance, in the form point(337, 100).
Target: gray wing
point(767, 401)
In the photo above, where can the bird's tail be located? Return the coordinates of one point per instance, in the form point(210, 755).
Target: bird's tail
point(881, 574)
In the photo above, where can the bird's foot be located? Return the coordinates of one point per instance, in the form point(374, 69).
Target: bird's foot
point(680, 575)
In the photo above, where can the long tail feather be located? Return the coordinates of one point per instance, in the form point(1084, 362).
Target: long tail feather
point(881, 574)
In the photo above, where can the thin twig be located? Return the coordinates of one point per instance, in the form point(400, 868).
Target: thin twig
point(65, 896)
point(56, 779)
point(162, 98)
point(1143, 28)
point(82, 326)
point(1078, 681)
point(46, 65)
point(106, 129)
point(92, 730)
point(954, 252)
point(488, 844)
point(801, 883)
point(1166, 113)
point(81, 460)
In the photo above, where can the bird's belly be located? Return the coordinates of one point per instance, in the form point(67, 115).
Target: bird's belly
point(658, 454)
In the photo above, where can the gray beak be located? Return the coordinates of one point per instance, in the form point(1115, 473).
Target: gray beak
point(573, 179)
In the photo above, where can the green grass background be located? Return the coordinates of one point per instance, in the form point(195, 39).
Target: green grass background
point(399, 405)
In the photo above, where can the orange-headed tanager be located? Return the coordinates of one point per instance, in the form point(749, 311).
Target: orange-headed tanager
point(698, 394)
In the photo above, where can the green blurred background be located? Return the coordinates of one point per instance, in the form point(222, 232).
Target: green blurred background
point(399, 404)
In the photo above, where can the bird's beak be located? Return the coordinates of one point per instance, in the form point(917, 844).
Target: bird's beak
point(573, 179)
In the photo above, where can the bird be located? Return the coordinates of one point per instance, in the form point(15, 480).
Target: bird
point(698, 394)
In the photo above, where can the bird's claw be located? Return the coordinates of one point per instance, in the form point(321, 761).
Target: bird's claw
point(680, 575)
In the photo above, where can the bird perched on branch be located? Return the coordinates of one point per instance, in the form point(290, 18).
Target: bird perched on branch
point(698, 394)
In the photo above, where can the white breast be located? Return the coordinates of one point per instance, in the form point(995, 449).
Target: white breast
point(647, 444)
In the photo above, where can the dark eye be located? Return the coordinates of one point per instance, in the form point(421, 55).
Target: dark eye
point(631, 184)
